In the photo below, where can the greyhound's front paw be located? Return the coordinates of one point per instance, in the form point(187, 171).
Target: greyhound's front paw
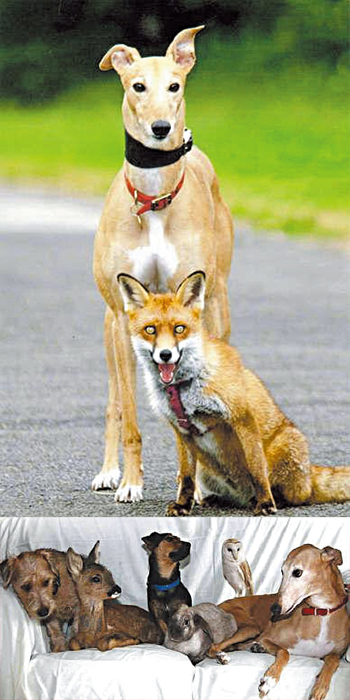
point(266, 684)
point(106, 480)
point(222, 658)
point(129, 493)
point(175, 509)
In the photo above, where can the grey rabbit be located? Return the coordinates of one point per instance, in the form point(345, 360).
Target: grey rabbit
point(192, 631)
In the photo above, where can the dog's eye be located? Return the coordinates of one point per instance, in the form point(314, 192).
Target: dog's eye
point(46, 582)
point(27, 587)
point(174, 87)
point(297, 573)
point(169, 538)
point(150, 330)
point(139, 87)
point(179, 329)
point(96, 579)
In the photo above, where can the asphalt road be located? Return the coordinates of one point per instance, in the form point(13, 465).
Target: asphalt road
point(290, 312)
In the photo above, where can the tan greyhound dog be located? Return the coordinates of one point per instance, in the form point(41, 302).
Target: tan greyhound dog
point(163, 219)
point(308, 617)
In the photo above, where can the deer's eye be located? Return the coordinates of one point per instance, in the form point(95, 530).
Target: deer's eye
point(150, 330)
point(139, 87)
point(179, 329)
point(174, 87)
point(297, 573)
point(96, 579)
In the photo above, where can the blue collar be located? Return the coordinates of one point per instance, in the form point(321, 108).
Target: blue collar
point(167, 587)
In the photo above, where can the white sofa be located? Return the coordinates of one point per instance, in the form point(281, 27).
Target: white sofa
point(149, 672)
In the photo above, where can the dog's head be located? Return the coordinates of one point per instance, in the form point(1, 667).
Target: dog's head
point(153, 107)
point(35, 580)
point(167, 549)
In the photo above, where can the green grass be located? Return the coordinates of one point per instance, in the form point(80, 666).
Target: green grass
point(279, 141)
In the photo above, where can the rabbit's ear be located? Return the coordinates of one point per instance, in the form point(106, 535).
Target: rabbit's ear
point(199, 621)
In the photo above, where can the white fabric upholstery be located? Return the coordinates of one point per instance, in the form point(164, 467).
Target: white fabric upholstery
point(29, 672)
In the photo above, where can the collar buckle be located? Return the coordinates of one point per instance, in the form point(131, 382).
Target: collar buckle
point(162, 202)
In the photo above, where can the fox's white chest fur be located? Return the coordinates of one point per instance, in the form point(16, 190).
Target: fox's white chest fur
point(154, 264)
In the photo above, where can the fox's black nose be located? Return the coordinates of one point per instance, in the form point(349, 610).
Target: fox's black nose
point(43, 612)
point(275, 611)
point(165, 355)
point(161, 128)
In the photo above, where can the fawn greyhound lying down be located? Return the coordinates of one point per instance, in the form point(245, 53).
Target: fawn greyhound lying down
point(307, 616)
point(163, 218)
point(233, 440)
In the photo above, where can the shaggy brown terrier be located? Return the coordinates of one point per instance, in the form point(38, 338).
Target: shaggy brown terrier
point(44, 587)
point(103, 622)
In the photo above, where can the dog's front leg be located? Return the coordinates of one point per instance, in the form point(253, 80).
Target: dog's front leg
point(273, 673)
point(186, 477)
point(321, 686)
point(57, 639)
point(251, 444)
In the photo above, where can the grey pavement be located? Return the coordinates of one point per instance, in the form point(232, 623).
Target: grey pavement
point(290, 319)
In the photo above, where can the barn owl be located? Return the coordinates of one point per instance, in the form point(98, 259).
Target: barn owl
point(235, 568)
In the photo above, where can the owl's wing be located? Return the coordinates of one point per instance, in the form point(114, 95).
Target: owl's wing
point(247, 577)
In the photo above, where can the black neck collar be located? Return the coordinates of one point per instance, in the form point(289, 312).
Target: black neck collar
point(143, 157)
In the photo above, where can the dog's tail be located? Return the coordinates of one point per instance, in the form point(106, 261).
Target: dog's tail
point(330, 484)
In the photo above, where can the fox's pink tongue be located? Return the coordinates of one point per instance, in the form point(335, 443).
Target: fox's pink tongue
point(166, 373)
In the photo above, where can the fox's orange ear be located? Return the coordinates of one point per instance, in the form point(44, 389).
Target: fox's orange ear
point(181, 49)
point(134, 294)
point(191, 291)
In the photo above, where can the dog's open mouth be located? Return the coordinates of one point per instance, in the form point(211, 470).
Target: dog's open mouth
point(167, 372)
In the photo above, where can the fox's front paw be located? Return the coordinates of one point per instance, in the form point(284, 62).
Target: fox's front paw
point(175, 509)
point(265, 508)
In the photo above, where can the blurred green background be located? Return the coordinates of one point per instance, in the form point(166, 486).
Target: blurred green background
point(268, 100)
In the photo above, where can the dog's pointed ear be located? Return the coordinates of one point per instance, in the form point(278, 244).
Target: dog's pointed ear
point(331, 554)
point(6, 571)
point(135, 295)
point(75, 563)
point(119, 57)
point(181, 49)
point(191, 291)
point(152, 541)
point(94, 555)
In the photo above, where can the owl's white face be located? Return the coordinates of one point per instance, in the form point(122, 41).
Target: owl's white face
point(231, 550)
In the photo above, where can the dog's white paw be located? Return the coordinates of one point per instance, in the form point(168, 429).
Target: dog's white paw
point(106, 480)
point(222, 657)
point(129, 494)
point(266, 684)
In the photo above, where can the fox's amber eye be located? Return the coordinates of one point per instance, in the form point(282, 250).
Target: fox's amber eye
point(150, 330)
point(179, 329)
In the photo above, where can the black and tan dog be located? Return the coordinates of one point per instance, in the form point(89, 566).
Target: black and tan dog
point(165, 592)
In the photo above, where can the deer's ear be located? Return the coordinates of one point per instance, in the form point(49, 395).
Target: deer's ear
point(191, 291)
point(181, 49)
point(94, 555)
point(119, 57)
point(75, 563)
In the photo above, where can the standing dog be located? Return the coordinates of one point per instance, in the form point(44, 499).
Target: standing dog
point(165, 592)
point(309, 617)
point(42, 583)
point(234, 440)
point(163, 218)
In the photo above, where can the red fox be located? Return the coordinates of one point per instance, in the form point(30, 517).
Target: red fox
point(233, 441)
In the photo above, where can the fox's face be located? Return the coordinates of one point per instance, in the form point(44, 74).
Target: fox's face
point(165, 328)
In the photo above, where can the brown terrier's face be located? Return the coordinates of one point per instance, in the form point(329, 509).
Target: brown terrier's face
point(34, 581)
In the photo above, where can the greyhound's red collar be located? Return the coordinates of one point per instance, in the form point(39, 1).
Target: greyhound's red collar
point(151, 203)
point(325, 611)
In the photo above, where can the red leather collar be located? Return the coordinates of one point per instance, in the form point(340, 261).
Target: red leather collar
point(324, 611)
point(183, 420)
point(151, 203)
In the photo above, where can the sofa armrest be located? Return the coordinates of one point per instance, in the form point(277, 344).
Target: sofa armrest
point(20, 639)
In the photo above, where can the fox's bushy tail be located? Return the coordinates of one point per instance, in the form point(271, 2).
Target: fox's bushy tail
point(330, 484)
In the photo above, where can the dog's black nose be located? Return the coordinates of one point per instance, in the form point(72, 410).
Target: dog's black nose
point(161, 128)
point(43, 612)
point(275, 611)
point(165, 355)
